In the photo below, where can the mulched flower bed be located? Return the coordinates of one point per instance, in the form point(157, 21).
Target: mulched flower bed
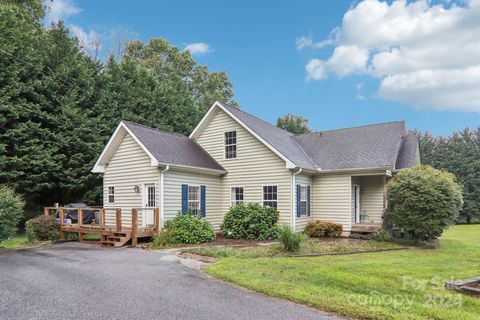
point(221, 240)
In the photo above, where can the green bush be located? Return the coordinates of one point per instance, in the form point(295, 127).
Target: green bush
point(190, 228)
point(323, 229)
point(11, 211)
point(42, 228)
point(162, 239)
point(424, 200)
point(291, 240)
point(250, 221)
point(381, 236)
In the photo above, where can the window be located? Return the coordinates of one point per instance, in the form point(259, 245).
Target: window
point(303, 200)
point(151, 197)
point(230, 145)
point(111, 194)
point(237, 196)
point(270, 196)
point(194, 198)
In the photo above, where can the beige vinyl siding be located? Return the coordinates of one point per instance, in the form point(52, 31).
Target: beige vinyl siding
point(173, 181)
point(129, 166)
point(300, 222)
point(331, 199)
point(371, 198)
point(254, 167)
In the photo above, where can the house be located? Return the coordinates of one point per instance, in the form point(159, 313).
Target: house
point(232, 156)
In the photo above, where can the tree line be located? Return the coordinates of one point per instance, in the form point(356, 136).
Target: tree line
point(59, 106)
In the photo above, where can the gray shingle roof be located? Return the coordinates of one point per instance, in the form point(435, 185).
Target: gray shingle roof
point(407, 152)
point(371, 146)
point(279, 139)
point(174, 149)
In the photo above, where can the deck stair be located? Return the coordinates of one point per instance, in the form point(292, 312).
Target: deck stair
point(116, 239)
point(364, 231)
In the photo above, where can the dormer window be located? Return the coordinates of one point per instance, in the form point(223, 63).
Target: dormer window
point(230, 144)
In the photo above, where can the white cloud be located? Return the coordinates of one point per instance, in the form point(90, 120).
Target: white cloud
point(315, 69)
point(88, 40)
point(198, 48)
point(60, 10)
point(423, 54)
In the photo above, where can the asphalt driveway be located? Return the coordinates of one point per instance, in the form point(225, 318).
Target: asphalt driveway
point(87, 281)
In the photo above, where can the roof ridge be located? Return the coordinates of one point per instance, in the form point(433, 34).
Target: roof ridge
point(251, 115)
point(347, 128)
point(155, 129)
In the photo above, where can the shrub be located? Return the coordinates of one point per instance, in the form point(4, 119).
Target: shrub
point(42, 228)
point(323, 229)
point(162, 239)
point(11, 211)
point(381, 236)
point(190, 228)
point(424, 200)
point(250, 221)
point(291, 240)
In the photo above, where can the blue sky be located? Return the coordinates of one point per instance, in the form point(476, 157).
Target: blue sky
point(304, 57)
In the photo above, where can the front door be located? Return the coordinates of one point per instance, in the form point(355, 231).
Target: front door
point(149, 202)
point(356, 202)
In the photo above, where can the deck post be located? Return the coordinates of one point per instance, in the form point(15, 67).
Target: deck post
point(45, 211)
point(118, 219)
point(156, 220)
point(80, 223)
point(134, 227)
point(62, 220)
point(102, 219)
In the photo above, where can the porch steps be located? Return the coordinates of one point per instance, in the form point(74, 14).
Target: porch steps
point(364, 231)
point(116, 239)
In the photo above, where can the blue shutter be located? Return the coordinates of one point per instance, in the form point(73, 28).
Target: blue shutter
point(203, 202)
point(184, 198)
point(308, 200)
point(299, 191)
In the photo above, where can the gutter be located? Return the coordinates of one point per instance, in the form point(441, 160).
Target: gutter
point(293, 197)
point(162, 197)
point(353, 169)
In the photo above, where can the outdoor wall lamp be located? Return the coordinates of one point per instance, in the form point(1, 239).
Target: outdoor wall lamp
point(136, 188)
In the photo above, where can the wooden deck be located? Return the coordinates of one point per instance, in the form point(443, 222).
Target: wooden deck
point(116, 235)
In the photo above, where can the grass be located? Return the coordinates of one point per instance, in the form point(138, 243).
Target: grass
point(407, 284)
point(17, 241)
point(307, 247)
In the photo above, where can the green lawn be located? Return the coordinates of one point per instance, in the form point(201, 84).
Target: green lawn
point(312, 246)
point(15, 242)
point(404, 284)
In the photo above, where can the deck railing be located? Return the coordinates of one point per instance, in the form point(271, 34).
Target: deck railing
point(100, 226)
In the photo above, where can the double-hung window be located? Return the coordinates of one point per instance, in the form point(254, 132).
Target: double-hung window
point(194, 199)
point(111, 194)
point(230, 144)
point(303, 201)
point(236, 196)
point(270, 196)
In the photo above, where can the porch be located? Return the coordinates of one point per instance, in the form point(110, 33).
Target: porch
point(369, 203)
point(116, 234)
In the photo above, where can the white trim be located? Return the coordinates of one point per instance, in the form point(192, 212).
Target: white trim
point(353, 170)
point(269, 185)
point(162, 195)
point(145, 208)
point(306, 197)
point(99, 168)
point(226, 145)
point(199, 128)
point(236, 186)
point(357, 204)
point(195, 169)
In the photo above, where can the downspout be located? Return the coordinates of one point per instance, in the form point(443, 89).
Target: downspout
point(162, 193)
point(294, 214)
